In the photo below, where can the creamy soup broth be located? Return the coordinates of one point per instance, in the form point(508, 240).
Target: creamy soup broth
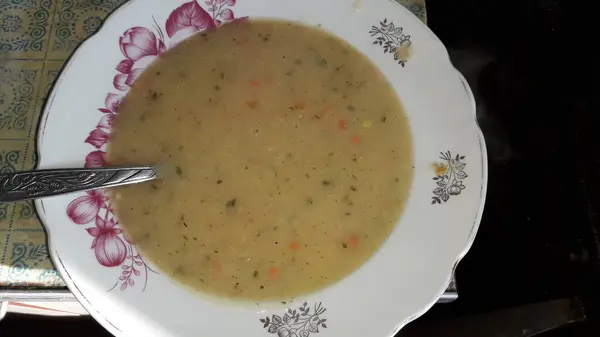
point(285, 158)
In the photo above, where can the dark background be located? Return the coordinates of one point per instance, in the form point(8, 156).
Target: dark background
point(533, 69)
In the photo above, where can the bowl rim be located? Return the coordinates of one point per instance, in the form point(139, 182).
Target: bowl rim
point(55, 255)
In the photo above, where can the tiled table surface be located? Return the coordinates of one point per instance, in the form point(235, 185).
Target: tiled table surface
point(36, 38)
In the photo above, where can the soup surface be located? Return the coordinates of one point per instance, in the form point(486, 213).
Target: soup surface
point(285, 155)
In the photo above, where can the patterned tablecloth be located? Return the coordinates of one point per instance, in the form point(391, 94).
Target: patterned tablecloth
point(36, 38)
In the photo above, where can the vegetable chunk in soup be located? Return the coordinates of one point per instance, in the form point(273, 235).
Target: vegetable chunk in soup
point(286, 160)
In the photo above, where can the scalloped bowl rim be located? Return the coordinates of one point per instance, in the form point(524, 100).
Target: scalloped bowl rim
point(55, 254)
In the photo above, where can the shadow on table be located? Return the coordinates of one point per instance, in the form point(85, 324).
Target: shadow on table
point(14, 325)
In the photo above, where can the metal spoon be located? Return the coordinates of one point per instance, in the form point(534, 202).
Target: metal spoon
point(45, 183)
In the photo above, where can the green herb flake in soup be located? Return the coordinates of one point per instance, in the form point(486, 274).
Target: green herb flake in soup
point(286, 155)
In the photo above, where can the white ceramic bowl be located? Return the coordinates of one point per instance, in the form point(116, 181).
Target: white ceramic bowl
point(130, 297)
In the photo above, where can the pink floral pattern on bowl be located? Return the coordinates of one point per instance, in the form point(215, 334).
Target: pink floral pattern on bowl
point(140, 46)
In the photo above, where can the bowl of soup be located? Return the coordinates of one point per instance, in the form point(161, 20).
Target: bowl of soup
point(321, 171)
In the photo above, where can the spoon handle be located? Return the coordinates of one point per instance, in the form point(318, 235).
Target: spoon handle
point(45, 183)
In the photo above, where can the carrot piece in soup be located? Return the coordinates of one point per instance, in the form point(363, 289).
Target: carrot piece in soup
point(300, 105)
point(352, 241)
point(273, 272)
point(216, 267)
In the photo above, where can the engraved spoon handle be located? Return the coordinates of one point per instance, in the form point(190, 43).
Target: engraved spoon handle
point(45, 183)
